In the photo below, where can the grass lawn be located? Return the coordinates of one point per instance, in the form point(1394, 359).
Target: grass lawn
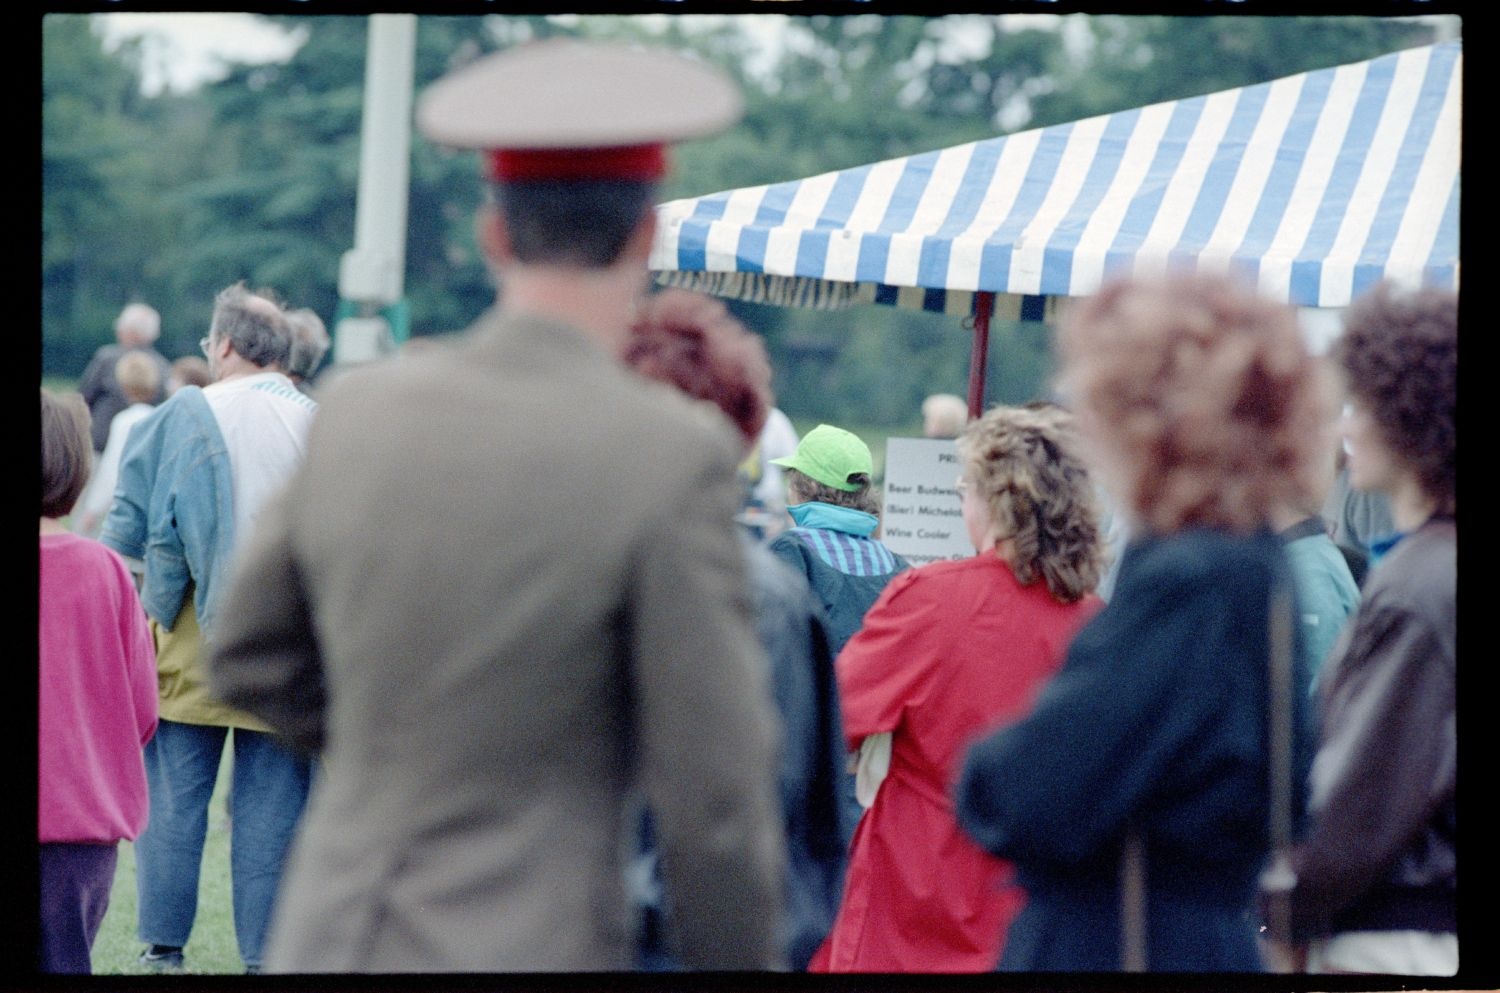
point(211, 948)
point(60, 384)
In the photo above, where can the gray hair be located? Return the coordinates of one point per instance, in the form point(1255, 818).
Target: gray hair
point(255, 325)
point(309, 342)
point(141, 320)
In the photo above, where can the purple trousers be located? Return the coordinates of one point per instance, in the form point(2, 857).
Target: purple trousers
point(75, 883)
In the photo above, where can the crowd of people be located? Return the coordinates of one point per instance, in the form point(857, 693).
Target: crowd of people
point(513, 683)
point(177, 487)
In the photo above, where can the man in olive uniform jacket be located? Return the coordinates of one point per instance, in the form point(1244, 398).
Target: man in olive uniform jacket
point(505, 593)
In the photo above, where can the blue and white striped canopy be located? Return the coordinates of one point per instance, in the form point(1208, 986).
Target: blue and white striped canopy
point(1317, 185)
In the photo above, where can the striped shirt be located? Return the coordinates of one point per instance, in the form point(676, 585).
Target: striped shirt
point(850, 554)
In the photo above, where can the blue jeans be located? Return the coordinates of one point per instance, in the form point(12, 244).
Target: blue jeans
point(268, 788)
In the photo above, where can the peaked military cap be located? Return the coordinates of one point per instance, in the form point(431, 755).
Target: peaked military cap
point(566, 108)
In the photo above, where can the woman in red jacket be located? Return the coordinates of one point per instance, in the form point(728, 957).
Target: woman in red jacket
point(949, 652)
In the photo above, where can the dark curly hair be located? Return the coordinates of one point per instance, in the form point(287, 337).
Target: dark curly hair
point(1399, 352)
point(1025, 464)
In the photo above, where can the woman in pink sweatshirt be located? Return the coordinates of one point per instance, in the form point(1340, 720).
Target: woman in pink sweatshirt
point(96, 706)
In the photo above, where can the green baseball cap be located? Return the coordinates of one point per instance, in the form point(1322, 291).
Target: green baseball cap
point(830, 455)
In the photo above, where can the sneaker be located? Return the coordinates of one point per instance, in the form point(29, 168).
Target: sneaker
point(162, 958)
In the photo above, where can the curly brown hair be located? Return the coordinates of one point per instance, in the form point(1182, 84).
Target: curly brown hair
point(1026, 465)
point(692, 342)
point(1399, 352)
point(1199, 398)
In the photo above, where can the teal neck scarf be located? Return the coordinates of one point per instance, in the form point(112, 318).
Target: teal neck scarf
point(833, 518)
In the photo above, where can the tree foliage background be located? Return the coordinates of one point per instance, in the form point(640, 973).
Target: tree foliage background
point(169, 198)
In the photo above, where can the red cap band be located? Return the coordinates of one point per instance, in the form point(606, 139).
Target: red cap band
point(643, 163)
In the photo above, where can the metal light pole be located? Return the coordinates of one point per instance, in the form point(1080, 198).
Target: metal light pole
point(371, 274)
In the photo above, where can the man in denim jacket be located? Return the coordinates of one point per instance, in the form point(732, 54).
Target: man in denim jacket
point(192, 478)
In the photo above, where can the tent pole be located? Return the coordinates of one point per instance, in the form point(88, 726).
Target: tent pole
point(984, 306)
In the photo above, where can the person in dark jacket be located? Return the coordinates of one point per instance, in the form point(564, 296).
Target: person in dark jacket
point(691, 343)
point(1133, 800)
point(831, 497)
point(1373, 886)
point(136, 330)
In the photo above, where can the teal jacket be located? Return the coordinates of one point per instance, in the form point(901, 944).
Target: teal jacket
point(846, 568)
point(1327, 595)
point(833, 548)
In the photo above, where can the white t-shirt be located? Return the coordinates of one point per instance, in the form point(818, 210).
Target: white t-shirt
point(99, 493)
point(264, 420)
point(778, 439)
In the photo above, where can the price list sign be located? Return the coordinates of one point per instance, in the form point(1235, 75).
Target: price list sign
point(922, 519)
